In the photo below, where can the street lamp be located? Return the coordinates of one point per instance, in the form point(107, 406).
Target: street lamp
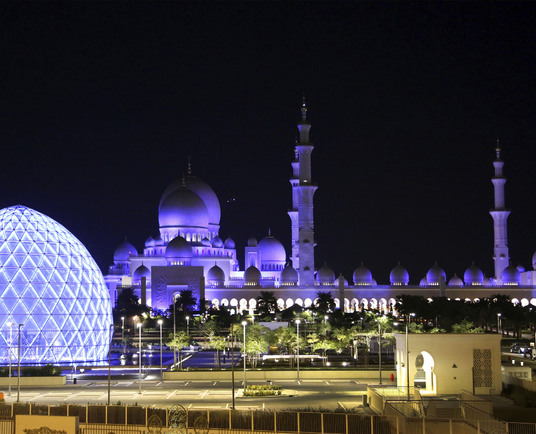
point(407, 358)
point(160, 322)
point(380, 348)
point(409, 319)
point(298, 347)
point(244, 323)
point(139, 357)
point(10, 325)
point(174, 329)
point(18, 371)
point(326, 319)
point(112, 329)
point(499, 322)
point(123, 332)
point(232, 363)
point(188, 325)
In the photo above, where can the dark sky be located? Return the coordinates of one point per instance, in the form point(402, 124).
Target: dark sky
point(102, 103)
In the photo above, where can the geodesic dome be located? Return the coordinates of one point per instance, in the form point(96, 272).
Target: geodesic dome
point(51, 285)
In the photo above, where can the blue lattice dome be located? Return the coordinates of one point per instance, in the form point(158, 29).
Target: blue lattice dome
point(50, 283)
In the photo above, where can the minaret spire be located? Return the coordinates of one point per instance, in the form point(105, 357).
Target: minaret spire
point(189, 169)
point(301, 214)
point(500, 215)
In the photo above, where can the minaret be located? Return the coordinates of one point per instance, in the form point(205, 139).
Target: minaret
point(500, 215)
point(301, 215)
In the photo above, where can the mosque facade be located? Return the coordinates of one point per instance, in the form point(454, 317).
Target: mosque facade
point(189, 253)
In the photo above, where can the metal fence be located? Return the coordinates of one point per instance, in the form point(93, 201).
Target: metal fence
point(102, 419)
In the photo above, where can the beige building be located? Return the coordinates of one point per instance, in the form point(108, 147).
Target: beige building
point(449, 363)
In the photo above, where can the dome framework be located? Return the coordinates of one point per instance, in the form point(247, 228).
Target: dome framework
point(52, 287)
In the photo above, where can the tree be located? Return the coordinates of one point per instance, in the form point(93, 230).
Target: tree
point(178, 342)
point(466, 327)
point(185, 302)
point(285, 337)
point(324, 302)
point(128, 305)
point(257, 340)
point(266, 304)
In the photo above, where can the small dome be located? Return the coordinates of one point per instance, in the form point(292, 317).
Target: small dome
point(149, 242)
point(520, 268)
point(229, 243)
point(215, 275)
point(362, 276)
point(325, 275)
point(272, 250)
point(123, 251)
point(456, 281)
point(183, 208)
point(252, 242)
point(252, 276)
point(511, 276)
point(289, 275)
point(423, 282)
point(178, 248)
point(473, 276)
point(435, 275)
point(141, 271)
point(158, 241)
point(399, 275)
point(217, 242)
point(206, 242)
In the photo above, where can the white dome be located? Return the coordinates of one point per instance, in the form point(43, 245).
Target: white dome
point(179, 248)
point(217, 242)
point(229, 243)
point(252, 276)
point(252, 242)
point(435, 274)
point(325, 275)
point(399, 275)
point(272, 250)
point(289, 275)
point(456, 281)
point(149, 242)
point(473, 275)
point(123, 251)
point(201, 189)
point(183, 209)
point(511, 276)
point(215, 275)
point(362, 276)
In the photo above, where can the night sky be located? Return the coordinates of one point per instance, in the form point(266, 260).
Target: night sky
point(102, 103)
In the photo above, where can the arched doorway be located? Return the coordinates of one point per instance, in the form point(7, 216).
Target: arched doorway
point(425, 378)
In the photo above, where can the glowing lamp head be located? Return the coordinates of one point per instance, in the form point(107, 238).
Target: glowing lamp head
point(244, 323)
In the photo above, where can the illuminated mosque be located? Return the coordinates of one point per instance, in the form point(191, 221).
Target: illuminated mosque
point(189, 253)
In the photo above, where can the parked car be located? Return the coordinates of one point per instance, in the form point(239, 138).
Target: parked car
point(520, 348)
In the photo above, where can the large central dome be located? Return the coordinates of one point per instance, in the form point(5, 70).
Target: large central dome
point(203, 190)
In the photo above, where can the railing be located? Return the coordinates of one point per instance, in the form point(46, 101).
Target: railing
point(102, 419)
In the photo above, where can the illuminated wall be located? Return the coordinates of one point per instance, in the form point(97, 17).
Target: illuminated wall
point(49, 283)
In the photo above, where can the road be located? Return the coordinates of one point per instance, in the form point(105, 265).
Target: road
point(308, 394)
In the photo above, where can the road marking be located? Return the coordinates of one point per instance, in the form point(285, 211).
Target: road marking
point(38, 396)
point(342, 406)
point(215, 383)
point(190, 406)
point(171, 394)
point(186, 384)
point(203, 395)
point(263, 406)
point(327, 382)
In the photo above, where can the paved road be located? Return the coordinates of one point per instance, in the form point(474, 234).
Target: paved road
point(313, 394)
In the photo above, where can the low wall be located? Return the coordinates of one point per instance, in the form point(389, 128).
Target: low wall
point(33, 381)
point(264, 375)
point(525, 384)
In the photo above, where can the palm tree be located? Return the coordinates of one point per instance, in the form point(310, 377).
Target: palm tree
point(324, 302)
point(266, 304)
point(185, 302)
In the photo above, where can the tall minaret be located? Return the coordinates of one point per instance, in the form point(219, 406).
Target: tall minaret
point(500, 215)
point(301, 215)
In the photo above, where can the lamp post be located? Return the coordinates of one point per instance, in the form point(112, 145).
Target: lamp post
point(18, 370)
point(232, 364)
point(188, 325)
point(123, 332)
point(139, 357)
point(10, 325)
point(499, 322)
point(244, 323)
point(174, 328)
point(110, 362)
point(326, 319)
point(298, 348)
point(407, 358)
point(380, 348)
point(160, 322)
